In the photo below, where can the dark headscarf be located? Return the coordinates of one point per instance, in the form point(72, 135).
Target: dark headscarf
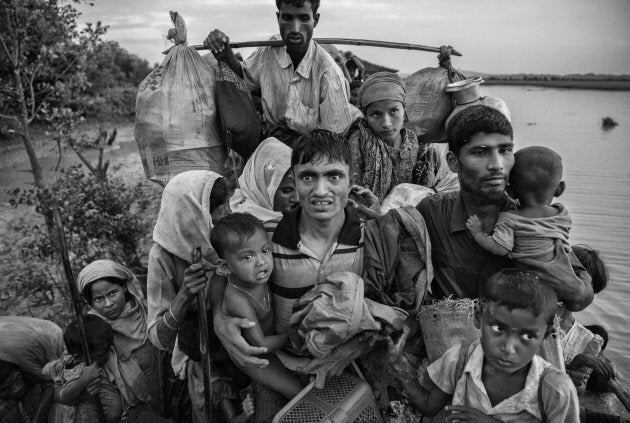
point(381, 86)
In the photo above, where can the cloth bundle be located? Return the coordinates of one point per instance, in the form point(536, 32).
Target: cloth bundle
point(30, 343)
point(427, 103)
point(334, 312)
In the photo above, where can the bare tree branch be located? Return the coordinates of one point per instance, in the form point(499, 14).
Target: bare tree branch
point(31, 89)
point(6, 52)
point(82, 157)
point(9, 117)
point(60, 153)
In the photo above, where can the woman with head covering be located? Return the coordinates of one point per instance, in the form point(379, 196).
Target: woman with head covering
point(190, 202)
point(266, 186)
point(26, 345)
point(114, 294)
point(384, 153)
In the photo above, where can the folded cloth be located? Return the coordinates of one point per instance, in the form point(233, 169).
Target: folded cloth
point(334, 312)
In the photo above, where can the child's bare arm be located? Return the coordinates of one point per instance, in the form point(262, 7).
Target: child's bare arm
point(475, 226)
point(238, 305)
point(74, 391)
point(428, 401)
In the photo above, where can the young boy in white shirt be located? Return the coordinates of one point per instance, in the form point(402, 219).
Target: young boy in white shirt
point(500, 378)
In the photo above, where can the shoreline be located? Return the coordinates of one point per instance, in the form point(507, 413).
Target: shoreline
point(566, 84)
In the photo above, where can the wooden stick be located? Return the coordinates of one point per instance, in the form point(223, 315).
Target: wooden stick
point(342, 41)
point(76, 299)
point(622, 391)
point(203, 342)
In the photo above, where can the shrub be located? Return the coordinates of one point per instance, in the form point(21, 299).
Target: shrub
point(102, 219)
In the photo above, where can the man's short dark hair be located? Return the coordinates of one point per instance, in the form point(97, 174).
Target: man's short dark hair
point(98, 334)
point(594, 265)
point(233, 229)
point(321, 144)
point(299, 3)
point(472, 120)
point(520, 289)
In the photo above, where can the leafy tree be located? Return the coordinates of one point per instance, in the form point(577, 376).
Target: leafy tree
point(42, 62)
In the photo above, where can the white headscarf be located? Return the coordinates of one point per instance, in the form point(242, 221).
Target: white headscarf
point(260, 180)
point(184, 219)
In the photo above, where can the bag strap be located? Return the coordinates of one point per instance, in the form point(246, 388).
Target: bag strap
point(465, 351)
point(541, 403)
point(413, 223)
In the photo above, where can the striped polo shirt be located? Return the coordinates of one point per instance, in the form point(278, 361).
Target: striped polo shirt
point(296, 269)
point(312, 96)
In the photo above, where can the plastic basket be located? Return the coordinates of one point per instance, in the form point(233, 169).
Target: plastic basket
point(344, 398)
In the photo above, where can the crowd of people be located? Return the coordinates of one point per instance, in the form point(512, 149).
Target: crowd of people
point(305, 216)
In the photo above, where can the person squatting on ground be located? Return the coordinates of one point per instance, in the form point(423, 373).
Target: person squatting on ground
point(81, 390)
point(500, 377)
point(244, 251)
point(114, 294)
point(302, 87)
point(532, 229)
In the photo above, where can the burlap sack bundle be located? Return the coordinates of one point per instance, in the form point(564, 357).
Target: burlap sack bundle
point(446, 323)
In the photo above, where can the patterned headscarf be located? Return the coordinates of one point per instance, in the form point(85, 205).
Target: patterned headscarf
point(381, 86)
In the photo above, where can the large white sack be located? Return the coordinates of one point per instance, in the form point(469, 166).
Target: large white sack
point(176, 128)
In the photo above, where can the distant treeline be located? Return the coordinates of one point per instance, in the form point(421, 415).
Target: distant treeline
point(586, 81)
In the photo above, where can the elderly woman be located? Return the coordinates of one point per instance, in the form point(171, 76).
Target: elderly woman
point(266, 186)
point(384, 153)
point(190, 201)
point(26, 345)
point(114, 294)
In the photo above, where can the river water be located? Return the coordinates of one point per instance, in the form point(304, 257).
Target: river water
point(597, 173)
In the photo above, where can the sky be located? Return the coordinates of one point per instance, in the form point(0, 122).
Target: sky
point(495, 36)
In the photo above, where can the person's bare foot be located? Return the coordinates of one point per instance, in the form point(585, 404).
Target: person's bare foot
point(248, 411)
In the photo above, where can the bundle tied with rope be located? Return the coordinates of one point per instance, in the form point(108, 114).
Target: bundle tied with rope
point(426, 101)
point(176, 115)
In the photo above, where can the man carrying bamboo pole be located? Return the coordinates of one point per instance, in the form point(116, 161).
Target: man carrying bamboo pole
point(301, 86)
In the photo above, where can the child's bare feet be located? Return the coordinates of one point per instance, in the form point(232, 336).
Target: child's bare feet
point(248, 411)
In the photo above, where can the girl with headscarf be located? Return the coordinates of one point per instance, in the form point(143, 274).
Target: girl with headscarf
point(190, 202)
point(114, 294)
point(266, 186)
point(26, 345)
point(384, 153)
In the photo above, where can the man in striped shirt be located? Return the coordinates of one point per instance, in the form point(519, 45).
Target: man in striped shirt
point(302, 87)
point(322, 236)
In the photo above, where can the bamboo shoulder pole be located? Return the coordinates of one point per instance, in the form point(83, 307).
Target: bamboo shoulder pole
point(342, 41)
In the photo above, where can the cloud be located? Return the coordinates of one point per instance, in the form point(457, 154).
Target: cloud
point(560, 36)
